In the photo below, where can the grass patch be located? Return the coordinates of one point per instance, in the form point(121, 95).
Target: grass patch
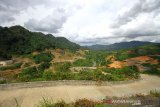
point(95, 75)
point(155, 93)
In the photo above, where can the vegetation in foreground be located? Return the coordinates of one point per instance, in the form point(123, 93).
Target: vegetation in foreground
point(95, 75)
point(61, 103)
point(152, 99)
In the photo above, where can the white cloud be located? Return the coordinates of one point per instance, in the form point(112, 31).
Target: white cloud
point(87, 21)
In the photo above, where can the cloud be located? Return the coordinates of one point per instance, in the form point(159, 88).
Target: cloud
point(51, 24)
point(6, 17)
point(84, 21)
point(8, 8)
point(142, 25)
point(38, 15)
point(15, 7)
point(141, 7)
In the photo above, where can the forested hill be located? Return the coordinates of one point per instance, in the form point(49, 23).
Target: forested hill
point(19, 40)
point(119, 46)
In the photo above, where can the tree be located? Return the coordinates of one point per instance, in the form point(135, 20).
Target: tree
point(43, 57)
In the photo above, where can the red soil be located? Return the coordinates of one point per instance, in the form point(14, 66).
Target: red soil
point(133, 61)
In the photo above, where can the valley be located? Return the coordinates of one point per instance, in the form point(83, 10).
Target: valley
point(46, 62)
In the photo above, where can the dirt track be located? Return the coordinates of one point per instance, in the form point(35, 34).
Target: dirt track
point(28, 97)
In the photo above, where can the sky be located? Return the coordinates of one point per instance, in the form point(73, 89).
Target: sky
point(86, 22)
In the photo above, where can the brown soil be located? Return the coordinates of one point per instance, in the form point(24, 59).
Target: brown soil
point(9, 72)
point(117, 64)
point(133, 61)
point(60, 56)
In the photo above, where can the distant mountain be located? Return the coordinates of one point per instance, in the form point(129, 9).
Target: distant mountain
point(18, 40)
point(118, 46)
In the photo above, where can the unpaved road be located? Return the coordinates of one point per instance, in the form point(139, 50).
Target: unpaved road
point(28, 97)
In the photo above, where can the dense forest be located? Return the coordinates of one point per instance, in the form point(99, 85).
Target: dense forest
point(18, 40)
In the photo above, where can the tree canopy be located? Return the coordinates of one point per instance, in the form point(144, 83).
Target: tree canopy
point(18, 40)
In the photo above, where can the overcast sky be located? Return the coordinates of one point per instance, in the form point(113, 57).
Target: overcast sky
point(86, 22)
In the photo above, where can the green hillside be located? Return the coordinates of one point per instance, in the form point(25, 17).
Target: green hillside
point(18, 40)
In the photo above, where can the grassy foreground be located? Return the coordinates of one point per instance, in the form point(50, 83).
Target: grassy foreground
point(153, 98)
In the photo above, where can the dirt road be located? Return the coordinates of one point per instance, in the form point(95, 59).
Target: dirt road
point(29, 97)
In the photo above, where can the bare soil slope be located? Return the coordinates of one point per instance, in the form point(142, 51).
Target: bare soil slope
point(133, 61)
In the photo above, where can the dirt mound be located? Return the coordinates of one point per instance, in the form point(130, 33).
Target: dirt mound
point(143, 59)
point(117, 64)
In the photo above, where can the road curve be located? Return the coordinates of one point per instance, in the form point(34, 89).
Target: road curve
point(29, 97)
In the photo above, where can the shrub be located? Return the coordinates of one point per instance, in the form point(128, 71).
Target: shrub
point(61, 104)
point(96, 57)
point(83, 62)
point(44, 66)
point(3, 81)
point(63, 67)
point(153, 72)
point(46, 103)
point(64, 76)
point(153, 69)
point(48, 75)
point(29, 73)
point(5, 55)
point(122, 73)
point(27, 56)
point(114, 77)
point(155, 93)
point(84, 103)
point(122, 56)
point(49, 103)
point(86, 75)
point(131, 71)
point(43, 57)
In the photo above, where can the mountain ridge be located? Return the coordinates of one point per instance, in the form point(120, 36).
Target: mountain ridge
point(119, 46)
